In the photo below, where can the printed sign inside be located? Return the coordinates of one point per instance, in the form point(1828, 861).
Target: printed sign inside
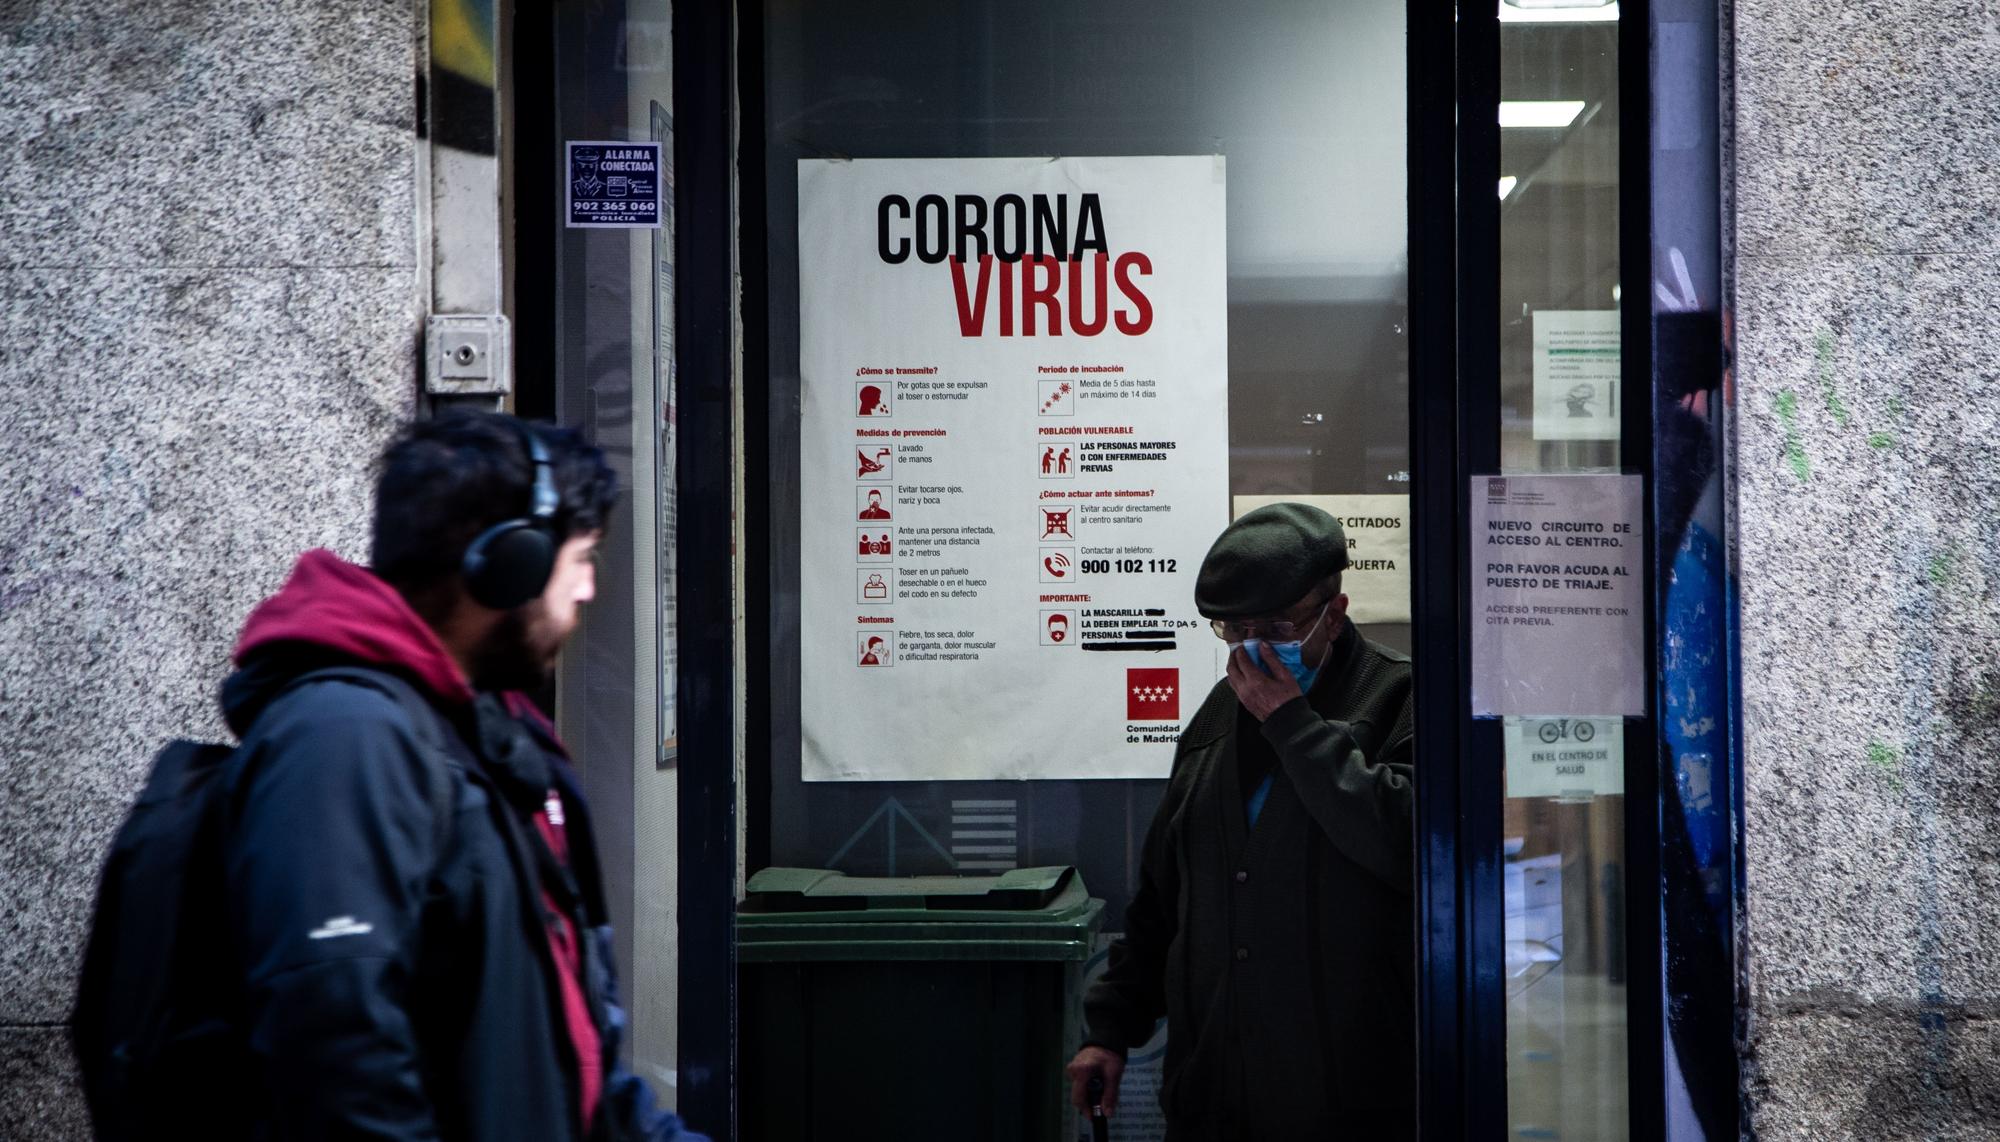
point(1014, 441)
point(614, 185)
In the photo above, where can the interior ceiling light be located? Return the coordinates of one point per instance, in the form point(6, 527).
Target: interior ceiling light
point(1548, 113)
point(1507, 182)
point(1542, 12)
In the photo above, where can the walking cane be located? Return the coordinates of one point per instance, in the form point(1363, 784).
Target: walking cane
point(1100, 1126)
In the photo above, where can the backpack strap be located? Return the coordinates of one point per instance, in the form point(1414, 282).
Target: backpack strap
point(425, 719)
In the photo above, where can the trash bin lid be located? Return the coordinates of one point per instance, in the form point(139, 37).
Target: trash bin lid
point(818, 914)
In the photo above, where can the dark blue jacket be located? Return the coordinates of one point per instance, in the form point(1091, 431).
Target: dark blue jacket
point(386, 912)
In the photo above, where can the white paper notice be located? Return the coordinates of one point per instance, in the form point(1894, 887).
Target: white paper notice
point(1556, 581)
point(1570, 758)
point(1014, 448)
point(1377, 580)
point(1576, 374)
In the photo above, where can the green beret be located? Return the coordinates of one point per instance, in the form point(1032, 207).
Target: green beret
point(1268, 560)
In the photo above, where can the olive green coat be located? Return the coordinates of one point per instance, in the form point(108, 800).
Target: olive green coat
point(1281, 955)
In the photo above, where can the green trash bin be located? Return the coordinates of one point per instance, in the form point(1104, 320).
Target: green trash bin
point(927, 1007)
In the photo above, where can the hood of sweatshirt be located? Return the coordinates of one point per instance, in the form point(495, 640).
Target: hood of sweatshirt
point(329, 613)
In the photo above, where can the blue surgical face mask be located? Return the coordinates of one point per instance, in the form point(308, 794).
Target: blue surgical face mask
point(1292, 653)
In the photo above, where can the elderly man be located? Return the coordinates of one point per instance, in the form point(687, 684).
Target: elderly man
point(1272, 925)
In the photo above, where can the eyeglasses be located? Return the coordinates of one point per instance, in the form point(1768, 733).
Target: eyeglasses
point(1280, 630)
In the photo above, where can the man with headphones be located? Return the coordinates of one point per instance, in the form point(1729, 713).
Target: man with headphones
point(414, 900)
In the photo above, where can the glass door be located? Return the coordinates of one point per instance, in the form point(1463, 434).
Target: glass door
point(1538, 830)
point(592, 263)
point(891, 732)
point(1561, 410)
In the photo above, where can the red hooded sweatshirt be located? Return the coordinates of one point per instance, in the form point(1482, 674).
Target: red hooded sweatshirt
point(335, 605)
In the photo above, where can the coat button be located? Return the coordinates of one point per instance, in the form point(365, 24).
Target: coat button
point(1242, 954)
point(1242, 878)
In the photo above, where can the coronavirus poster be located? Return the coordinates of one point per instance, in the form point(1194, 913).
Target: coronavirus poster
point(1014, 450)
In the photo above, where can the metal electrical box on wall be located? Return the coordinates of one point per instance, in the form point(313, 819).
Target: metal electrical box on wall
point(468, 355)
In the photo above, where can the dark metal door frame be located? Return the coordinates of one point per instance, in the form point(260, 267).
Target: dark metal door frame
point(1453, 270)
point(705, 360)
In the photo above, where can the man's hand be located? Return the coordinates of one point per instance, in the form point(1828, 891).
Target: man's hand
point(1107, 1065)
point(1261, 693)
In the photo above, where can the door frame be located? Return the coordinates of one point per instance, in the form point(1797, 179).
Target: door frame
point(705, 345)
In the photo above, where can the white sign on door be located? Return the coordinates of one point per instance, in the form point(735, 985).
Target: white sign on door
point(1576, 374)
point(1565, 758)
point(1557, 566)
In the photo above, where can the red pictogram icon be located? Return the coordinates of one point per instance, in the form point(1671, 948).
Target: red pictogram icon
point(871, 400)
point(1055, 522)
point(1153, 694)
point(1058, 461)
point(872, 545)
point(871, 462)
point(877, 649)
point(1058, 399)
point(1055, 627)
point(872, 503)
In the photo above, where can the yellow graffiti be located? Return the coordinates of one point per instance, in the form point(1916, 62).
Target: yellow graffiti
point(462, 39)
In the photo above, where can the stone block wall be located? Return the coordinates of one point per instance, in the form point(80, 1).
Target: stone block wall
point(209, 309)
point(1868, 334)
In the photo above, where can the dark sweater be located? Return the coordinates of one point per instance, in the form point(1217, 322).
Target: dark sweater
point(1282, 956)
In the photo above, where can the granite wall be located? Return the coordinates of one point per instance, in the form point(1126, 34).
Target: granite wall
point(1868, 327)
point(209, 303)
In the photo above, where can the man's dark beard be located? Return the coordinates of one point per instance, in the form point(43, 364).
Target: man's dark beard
point(507, 658)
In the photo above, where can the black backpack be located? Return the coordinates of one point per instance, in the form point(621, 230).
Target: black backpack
point(157, 1026)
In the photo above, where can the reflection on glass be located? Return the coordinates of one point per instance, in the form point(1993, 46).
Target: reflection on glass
point(1560, 409)
point(613, 295)
point(1306, 104)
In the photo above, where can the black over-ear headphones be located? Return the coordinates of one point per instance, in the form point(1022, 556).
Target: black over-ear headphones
point(510, 562)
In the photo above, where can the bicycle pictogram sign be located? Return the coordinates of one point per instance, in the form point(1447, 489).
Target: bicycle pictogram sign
point(1566, 729)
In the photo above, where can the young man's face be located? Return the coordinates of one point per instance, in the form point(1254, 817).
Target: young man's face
point(519, 653)
point(572, 584)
